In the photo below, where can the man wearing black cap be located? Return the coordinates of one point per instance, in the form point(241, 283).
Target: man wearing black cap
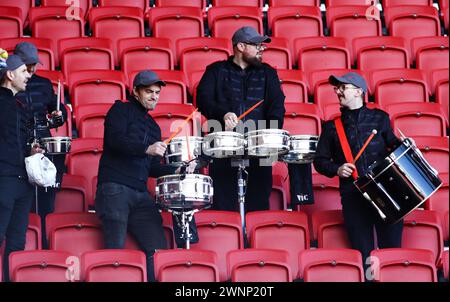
point(132, 151)
point(358, 123)
point(16, 194)
point(226, 90)
point(41, 100)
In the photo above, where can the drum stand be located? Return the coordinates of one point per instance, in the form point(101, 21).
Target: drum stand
point(186, 218)
point(242, 187)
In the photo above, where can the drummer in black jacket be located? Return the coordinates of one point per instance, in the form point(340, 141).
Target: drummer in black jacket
point(358, 122)
point(132, 152)
point(41, 101)
point(16, 193)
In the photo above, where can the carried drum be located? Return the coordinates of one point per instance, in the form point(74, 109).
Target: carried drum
point(302, 149)
point(184, 191)
point(178, 150)
point(56, 145)
point(267, 142)
point(224, 144)
point(399, 183)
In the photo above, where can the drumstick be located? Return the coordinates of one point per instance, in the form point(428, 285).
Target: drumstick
point(188, 147)
point(58, 96)
point(365, 145)
point(249, 110)
point(401, 133)
point(181, 127)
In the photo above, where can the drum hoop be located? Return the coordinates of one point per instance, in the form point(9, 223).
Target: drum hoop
point(55, 138)
point(225, 134)
point(303, 136)
point(269, 131)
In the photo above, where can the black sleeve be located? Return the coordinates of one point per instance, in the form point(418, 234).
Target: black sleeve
point(116, 135)
point(157, 169)
point(325, 152)
point(388, 133)
point(206, 96)
point(275, 98)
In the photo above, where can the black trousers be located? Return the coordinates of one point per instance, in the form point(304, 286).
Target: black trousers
point(259, 185)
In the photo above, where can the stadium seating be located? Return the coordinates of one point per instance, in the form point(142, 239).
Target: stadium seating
point(45, 50)
point(439, 202)
point(224, 21)
point(11, 22)
point(294, 85)
point(72, 196)
point(329, 229)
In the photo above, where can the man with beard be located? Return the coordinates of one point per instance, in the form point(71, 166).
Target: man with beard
point(229, 88)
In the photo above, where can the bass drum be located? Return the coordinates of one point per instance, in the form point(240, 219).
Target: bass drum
point(400, 183)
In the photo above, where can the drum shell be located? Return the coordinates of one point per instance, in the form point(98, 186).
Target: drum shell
point(177, 150)
point(189, 191)
point(399, 183)
point(224, 144)
point(267, 142)
point(302, 149)
point(56, 145)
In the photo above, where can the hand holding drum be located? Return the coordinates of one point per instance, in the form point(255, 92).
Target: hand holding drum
point(157, 149)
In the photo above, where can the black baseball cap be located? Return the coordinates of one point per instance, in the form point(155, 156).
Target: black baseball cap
point(349, 78)
point(147, 78)
point(28, 52)
point(248, 34)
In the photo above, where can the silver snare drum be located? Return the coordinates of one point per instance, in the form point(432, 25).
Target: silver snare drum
point(302, 149)
point(56, 145)
point(224, 144)
point(178, 151)
point(184, 191)
point(267, 142)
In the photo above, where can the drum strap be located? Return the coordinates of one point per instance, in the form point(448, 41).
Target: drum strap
point(344, 144)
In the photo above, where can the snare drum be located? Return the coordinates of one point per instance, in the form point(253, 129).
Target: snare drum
point(224, 144)
point(267, 142)
point(399, 183)
point(302, 149)
point(56, 145)
point(184, 191)
point(178, 151)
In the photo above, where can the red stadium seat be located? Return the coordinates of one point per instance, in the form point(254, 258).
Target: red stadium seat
point(186, 266)
point(171, 116)
point(435, 77)
point(54, 77)
point(194, 3)
point(153, 53)
point(331, 265)
point(85, 5)
point(224, 21)
point(442, 95)
point(33, 239)
point(168, 229)
point(66, 129)
point(176, 23)
point(77, 54)
point(194, 79)
point(273, 3)
point(435, 150)
point(84, 160)
point(369, 50)
point(11, 22)
point(292, 22)
point(417, 119)
point(293, 84)
point(321, 53)
point(144, 5)
point(445, 264)
point(42, 266)
point(439, 202)
point(446, 17)
point(116, 23)
point(24, 7)
point(330, 3)
point(220, 232)
point(394, 74)
point(90, 120)
point(288, 229)
point(74, 232)
point(114, 266)
point(196, 54)
point(278, 199)
point(302, 119)
point(254, 3)
point(403, 265)
point(389, 3)
point(329, 229)
point(278, 54)
point(45, 50)
point(431, 52)
point(72, 196)
point(259, 265)
point(422, 230)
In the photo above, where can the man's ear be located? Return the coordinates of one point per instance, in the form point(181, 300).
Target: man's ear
point(240, 46)
point(10, 75)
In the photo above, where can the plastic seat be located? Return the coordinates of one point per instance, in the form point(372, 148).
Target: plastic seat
point(293, 84)
point(321, 53)
point(431, 53)
point(417, 119)
point(278, 54)
point(186, 266)
point(331, 265)
point(302, 119)
point(77, 54)
point(403, 265)
point(144, 5)
point(369, 50)
point(24, 7)
point(329, 230)
point(72, 196)
point(193, 81)
point(441, 90)
point(259, 265)
point(224, 21)
point(445, 264)
point(74, 232)
point(279, 196)
point(90, 120)
point(168, 229)
point(33, 240)
point(439, 202)
point(274, 3)
point(85, 6)
point(171, 116)
point(153, 53)
point(389, 3)
point(436, 151)
point(288, 229)
point(114, 266)
point(331, 3)
point(253, 3)
point(220, 232)
point(422, 230)
point(11, 22)
point(42, 266)
point(194, 3)
point(45, 50)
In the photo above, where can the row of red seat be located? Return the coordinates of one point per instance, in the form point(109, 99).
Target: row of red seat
point(221, 232)
point(249, 265)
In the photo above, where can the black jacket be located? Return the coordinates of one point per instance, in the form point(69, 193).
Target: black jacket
point(225, 87)
point(129, 130)
point(14, 135)
point(358, 126)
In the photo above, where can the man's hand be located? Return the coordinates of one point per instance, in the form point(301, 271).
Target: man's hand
point(36, 149)
point(157, 149)
point(189, 169)
point(56, 119)
point(231, 120)
point(346, 170)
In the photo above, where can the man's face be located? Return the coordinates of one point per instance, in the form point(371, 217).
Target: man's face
point(347, 94)
point(31, 69)
point(148, 96)
point(19, 78)
point(252, 53)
